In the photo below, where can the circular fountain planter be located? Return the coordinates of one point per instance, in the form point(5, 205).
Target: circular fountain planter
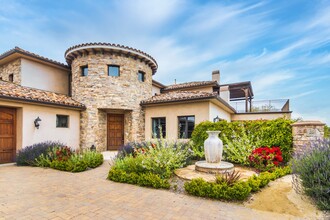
point(222, 167)
point(213, 148)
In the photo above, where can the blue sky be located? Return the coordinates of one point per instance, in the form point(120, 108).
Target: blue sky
point(282, 47)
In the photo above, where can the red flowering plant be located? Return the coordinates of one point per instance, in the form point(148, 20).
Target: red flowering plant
point(60, 153)
point(266, 158)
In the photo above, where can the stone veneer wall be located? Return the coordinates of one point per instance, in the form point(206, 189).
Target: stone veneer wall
point(305, 132)
point(102, 94)
point(14, 67)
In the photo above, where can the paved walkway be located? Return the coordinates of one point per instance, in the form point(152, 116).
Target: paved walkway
point(37, 193)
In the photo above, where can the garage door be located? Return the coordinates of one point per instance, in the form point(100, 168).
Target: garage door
point(7, 135)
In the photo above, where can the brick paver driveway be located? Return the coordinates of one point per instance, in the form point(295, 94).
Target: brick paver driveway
point(37, 193)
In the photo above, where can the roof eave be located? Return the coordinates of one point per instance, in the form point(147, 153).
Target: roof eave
point(41, 102)
point(27, 55)
point(216, 97)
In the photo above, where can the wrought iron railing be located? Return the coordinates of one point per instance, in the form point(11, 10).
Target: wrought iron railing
point(278, 105)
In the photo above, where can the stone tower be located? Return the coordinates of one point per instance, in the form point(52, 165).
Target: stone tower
point(111, 81)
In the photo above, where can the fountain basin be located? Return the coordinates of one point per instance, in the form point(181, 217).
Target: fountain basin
point(222, 167)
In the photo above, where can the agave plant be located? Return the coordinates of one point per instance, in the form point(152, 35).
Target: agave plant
point(230, 178)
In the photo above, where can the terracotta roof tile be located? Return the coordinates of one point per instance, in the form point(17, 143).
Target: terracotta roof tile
point(179, 96)
point(27, 53)
point(10, 90)
point(109, 44)
point(189, 84)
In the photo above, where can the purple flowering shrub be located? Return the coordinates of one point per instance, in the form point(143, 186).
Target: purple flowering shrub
point(311, 173)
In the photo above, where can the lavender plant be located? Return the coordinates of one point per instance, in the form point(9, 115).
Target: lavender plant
point(311, 173)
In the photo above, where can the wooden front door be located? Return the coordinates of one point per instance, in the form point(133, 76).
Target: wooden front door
point(115, 131)
point(7, 135)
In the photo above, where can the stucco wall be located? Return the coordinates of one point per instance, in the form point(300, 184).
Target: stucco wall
point(100, 92)
point(217, 111)
point(41, 76)
point(27, 134)
point(171, 111)
point(13, 67)
point(259, 116)
point(224, 93)
point(155, 90)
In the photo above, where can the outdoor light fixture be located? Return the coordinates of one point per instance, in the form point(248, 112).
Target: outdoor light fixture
point(93, 148)
point(36, 122)
point(216, 119)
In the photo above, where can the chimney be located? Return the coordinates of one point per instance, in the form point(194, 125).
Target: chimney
point(216, 76)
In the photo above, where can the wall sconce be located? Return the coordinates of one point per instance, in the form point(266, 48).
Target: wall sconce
point(217, 119)
point(36, 122)
point(93, 148)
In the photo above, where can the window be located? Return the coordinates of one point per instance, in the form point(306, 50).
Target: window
point(84, 70)
point(113, 70)
point(158, 127)
point(62, 121)
point(186, 126)
point(11, 78)
point(141, 77)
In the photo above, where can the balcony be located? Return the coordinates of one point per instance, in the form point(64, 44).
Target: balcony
point(261, 106)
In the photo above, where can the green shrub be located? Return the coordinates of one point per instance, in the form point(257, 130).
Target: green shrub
point(254, 182)
point(28, 155)
point(150, 166)
point(311, 171)
point(130, 164)
point(199, 187)
point(141, 179)
point(326, 131)
point(92, 158)
point(62, 158)
point(239, 146)
point(59, 165)
point(276, 132)
point(76, 163)
point(162, 159)
point(238, 190)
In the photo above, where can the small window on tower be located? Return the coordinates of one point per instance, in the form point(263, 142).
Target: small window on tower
point(141, 76)
point(113, 70)
point(84, 70)
point(11, 78)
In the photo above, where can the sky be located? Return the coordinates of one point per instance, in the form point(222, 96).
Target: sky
point(282, 47)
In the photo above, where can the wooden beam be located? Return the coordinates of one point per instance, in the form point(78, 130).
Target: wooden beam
point(246, 93)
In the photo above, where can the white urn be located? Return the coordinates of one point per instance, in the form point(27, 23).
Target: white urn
point(213, 147)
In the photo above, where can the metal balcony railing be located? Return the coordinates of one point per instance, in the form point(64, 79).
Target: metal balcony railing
point(278, 105)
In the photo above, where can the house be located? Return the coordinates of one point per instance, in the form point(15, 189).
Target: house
point(105, 96)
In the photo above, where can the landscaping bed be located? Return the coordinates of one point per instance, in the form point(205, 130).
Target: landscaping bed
point(264, 146)
point(58, 156)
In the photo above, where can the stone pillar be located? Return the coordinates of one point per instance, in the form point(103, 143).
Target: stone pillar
point(305, 132)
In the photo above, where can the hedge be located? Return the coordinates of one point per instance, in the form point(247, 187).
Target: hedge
point(276, 132)
point(238, 191)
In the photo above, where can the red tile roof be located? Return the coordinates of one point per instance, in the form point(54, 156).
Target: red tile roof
point(30, 54)
point(179, 96)
point(13, 91)
point(109, 44)
point(189, 85)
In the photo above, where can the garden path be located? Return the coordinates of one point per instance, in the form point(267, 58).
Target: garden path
point(37, 193)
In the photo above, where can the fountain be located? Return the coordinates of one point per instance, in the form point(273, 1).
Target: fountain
point(213, 148)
